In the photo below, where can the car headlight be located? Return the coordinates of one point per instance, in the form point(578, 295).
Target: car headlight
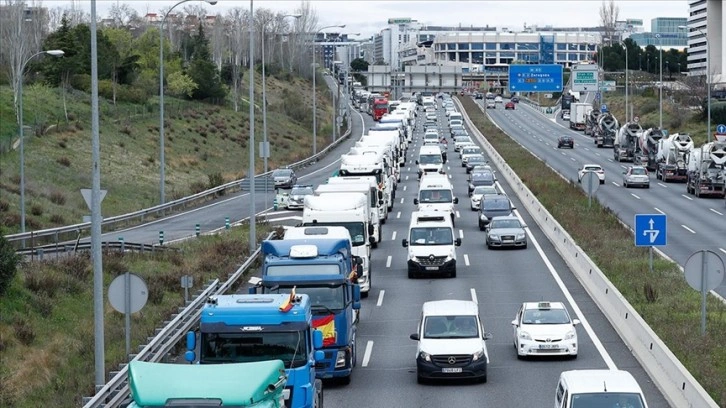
point(570, 335)
point(483, 217)
point(411, 256)
point(340, 359)
point(520, 236)
point(524, 335)
point(424, 356)
point(479, 354)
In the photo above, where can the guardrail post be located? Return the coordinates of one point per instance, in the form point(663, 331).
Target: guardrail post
point(40, 254)
point(161, 237)
point(226, 222)
point(197, 229)
point(123, 246)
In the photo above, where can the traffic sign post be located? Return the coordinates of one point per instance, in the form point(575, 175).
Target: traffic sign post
point(720, 132)
point(590, 182)
point(650, 231)
point(704, 271)
point(535, 78)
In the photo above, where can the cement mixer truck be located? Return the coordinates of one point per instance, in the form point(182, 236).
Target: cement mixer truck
point(591, 122)
point(648, 143)
point(626, 142)
point(670, 157)
point(707, 169)
point(606, 130)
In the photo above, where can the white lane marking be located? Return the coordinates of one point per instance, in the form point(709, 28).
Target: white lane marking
point(662, 185)
point(404, 188)
point(393, 236)
point(402, 201)
point(380, 297)
point(614, 183)
point(658, 209)
point(458, 215)
point(715, 211)
point(635, 196)
point(461, 234)
point(583, 320)
point(573, 159)
point(722, 250)
point(367, 354)
point(685, 196)
point(688, 229)
point(466, 260)
point(388, 261)
point(406, 177)
point(398, 214)
point(473, 296)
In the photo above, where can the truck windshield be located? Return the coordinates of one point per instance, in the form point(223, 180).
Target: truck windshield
point(381, 106)
point(306, 269)
point(324, 299)
point(436, 196)
point(290, 347)
point(609, 399)
point(432, 236)
point(430, 159)
point(356, 230)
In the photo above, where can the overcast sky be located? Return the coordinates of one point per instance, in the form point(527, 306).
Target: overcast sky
point(369, 17)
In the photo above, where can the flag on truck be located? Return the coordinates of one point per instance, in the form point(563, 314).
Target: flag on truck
point(327, 326)
point(287, 304)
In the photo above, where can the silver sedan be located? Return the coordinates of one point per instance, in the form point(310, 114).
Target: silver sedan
point(506, 232)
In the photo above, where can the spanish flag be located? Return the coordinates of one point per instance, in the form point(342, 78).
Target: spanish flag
point(327, 326)
point(287, 304)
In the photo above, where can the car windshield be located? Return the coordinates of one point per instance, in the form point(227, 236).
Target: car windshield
point(436, 196)
point(431, 236)
point(545, 316)
point(482, 177)
point(282, 173)
point(606, 400)
point(254, 346)
point(476, 159)
point(355, 229)
point(472, 150)
point(481, 190)
point(497, 204)
point(505, 224)
point(593, 168)
point(638, 171)
point(430, 159)
point(301, 191)
point(450, 327)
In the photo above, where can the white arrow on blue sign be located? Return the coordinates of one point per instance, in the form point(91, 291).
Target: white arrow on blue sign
point(650, 230)
point(721, 129)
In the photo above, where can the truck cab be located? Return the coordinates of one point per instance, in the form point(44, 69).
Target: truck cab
point(371, 165)
point(436, 193)
point(431, 244)
point(323, 269)
point(375, 196)
point(261, 327)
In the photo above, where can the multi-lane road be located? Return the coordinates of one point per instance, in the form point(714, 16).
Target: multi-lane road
point(693, 223)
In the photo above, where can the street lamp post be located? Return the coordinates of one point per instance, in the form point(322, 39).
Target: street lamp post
point(251, 172)
point(315, 110)
point(266, 151)
point(660, 87)
point(21, 136)
point(161, 98)
point(627, 115)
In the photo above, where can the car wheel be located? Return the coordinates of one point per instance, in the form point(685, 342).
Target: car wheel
point(411, 274)
point(489, 246)
point(453, 274)
point(647, 186)
point(602, 181)
point(419, 379)
point(481, 227)
point(524, 247)
point(625, 184)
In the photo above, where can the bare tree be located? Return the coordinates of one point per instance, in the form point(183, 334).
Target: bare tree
point(609, 14)
point(302, 38)
point(238, 21)
point(218, 40)
point(123, 15)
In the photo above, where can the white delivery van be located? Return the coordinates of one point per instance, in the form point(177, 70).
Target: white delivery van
point(345, 185)
point(430, 160)
point(431, 244)
point(349, 210)
point(436, 193)
point(598, 388)
point(455, 116)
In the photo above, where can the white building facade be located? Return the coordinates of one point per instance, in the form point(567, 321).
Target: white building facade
point(706, 25)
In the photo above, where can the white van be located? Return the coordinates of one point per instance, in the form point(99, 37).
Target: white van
point(430, 159)
point(598, 388)
point(436, 193)
point(451, 341)
point(456, 116)
point(431, 244)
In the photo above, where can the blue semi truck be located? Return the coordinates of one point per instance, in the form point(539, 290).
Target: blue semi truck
point(325, 270)
point(247, 328)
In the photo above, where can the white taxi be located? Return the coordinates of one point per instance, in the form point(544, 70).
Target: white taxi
point(544, 328)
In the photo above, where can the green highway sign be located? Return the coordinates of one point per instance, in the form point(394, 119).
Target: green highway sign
point(585, 78)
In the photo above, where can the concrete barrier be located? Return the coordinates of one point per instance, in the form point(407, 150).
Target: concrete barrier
point(670, 376)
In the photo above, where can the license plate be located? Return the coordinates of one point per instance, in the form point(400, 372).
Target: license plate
point(507, 240)
point(548, 346)
point(432, 268)
point(451, 370)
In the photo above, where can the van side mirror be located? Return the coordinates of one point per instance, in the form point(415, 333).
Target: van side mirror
point(404, 242)
point(575, 322)
point(456, 200)
point(416, 161)
point(415, 201)
point(317, 339)
point(414, 336)
point(458, 242)
point(371, 229)
point(486, 336)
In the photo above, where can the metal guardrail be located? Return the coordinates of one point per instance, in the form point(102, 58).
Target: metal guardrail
point(109, 224)
point(118, 246)
point(116, 391)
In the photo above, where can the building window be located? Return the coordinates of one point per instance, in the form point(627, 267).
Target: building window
point(452, 56)
point(463, 46)
point(572, 56)
point(463, 57)
point(561, 46)
point(506, 46)
point(451, 46)
point(561, 56)
point(506, 55)
point(506, 60)
point(477, 57)
point(528, 46)
point(477, 46)
point(490, 46)
point(491, 61)
point(492, 55)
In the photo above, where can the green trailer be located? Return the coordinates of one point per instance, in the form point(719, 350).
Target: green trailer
point(257, 384)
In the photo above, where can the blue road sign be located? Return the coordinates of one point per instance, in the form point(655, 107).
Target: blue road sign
point(603, 108)
point(535, 78)
point(650, 230)
point(721, 129)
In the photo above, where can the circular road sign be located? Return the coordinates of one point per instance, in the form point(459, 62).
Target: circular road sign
point(590, 182)
point(117, 293)
point(721, 129)
point(704, 262)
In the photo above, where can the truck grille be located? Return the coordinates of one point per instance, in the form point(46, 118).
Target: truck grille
point(452, 360)
point(430, 260)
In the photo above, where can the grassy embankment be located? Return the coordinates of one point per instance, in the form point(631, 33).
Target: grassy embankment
point(662, 298)
point(46, 324)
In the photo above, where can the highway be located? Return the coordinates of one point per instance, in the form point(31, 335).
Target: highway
point(500, 280)
point(693, 223)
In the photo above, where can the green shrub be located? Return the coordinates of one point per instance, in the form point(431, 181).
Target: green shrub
point(718, 112)
point(9, 261)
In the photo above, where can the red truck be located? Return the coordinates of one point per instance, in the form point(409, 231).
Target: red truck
point(380, 108)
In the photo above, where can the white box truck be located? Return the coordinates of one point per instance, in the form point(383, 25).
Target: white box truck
point(578, 115)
